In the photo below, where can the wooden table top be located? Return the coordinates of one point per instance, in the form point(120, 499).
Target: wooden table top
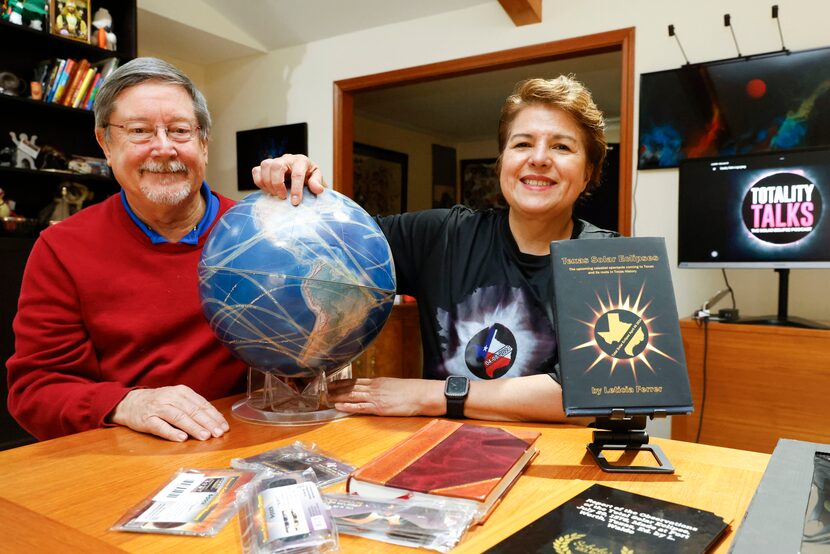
point(64, 495)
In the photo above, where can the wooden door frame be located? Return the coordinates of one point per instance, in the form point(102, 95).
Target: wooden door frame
point(621, 40)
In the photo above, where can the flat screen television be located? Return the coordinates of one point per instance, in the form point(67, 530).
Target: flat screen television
point(756, 211)
point(768, 102)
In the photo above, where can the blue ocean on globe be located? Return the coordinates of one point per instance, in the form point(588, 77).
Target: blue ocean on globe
point(297, 291)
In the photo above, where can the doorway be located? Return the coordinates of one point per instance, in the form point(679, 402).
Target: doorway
point(621, 41)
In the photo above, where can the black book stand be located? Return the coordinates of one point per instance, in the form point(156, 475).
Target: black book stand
point(618, 432)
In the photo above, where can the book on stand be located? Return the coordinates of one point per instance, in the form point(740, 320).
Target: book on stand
point(449, 459)
point(604, 519)
point(618, 333)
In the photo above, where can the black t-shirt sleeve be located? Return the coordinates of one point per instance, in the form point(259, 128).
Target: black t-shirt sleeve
point(412, 237)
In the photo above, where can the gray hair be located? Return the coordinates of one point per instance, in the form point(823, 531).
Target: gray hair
point(141, 70)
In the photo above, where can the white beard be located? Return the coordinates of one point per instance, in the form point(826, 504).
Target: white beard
point(163, 192)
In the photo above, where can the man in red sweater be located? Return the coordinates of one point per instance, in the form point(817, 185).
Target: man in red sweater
point(109, 329)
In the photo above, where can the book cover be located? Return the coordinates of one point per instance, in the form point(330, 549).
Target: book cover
point(74, 82)
point(83, 87)
point(66, 73)
point(617, 328)
point(54, 79)
point(106, 66)
point(604, 519)
point(447, 458)
point(93, 90)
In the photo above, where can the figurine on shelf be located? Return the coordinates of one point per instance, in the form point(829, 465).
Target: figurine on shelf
point(70, 20)
point(102, 20)
point(27, 151)
point(31, 13)
point(71, 200)
point(61, 207)
point(6, 206)
point(11, 84)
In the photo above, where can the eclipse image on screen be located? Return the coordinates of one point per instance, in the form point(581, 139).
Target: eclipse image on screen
point(759, 210)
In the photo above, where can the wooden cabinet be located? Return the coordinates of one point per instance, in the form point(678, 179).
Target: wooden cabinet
point(762, 383)
point(70, 131)
point(396, 352)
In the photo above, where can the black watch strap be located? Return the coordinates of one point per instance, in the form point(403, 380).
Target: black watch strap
point(456, 389)
point(455, 407)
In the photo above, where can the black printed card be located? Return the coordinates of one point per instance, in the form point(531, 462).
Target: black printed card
point(603, 519)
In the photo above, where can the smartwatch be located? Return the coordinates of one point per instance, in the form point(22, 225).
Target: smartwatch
point(456, 388)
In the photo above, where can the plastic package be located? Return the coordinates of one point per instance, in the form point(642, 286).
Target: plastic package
point(194, 502)
point(434, 524)
point(298, 457)
point(284, 513)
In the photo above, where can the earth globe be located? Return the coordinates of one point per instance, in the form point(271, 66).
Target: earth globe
point(296, 292)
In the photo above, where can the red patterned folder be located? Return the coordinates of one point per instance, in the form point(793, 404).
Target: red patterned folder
point(448, 458)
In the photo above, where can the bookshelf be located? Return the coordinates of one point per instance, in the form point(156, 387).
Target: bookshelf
point(70, 131)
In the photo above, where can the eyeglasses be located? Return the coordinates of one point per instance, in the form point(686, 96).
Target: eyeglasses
point(141, 133)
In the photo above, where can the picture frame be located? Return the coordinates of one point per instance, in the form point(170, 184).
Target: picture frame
point(70, 19)
point(480, 187)
point(255, 145)
point(380, 179)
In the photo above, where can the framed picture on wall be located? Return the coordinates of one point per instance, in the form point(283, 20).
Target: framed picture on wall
point(380, 179)
point(69, 19)
point(255, 145)
point(480, 187)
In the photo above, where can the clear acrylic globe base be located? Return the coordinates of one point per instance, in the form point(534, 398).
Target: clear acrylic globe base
point(276, 400)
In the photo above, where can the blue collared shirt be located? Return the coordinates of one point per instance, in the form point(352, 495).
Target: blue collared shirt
point(211, 209)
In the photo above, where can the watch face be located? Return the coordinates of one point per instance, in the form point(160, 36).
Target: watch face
point(456, 386)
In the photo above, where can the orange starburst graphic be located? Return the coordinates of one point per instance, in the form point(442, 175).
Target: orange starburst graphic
point(621, 332)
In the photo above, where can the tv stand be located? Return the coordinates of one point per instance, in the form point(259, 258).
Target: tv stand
point(782, 318)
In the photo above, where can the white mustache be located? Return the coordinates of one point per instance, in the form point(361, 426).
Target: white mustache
point(172, 166)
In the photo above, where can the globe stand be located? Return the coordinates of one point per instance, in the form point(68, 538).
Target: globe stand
point(277, 400)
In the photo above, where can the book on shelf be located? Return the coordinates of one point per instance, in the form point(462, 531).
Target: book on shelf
point(55, 77)
point(617, 328)
point(73, 83)
point(66, 73)
point(83, 87)
point(106, 66)
point(449, 459)
point(86, 103)
point(78, 74)
point(604, 519)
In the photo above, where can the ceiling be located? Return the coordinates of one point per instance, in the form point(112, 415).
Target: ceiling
point(206, 32)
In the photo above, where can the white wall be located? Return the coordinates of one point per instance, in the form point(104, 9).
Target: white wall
point(295, 84)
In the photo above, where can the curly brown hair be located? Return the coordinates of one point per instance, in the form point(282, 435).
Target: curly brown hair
point(569, 95)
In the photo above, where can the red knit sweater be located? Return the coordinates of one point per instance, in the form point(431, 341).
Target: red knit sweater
point(102, 310)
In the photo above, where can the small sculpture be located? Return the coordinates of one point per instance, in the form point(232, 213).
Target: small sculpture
point(27, 12)
point(70, 201)
point(27, 151)
point(6, 207)
point(102, 20)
